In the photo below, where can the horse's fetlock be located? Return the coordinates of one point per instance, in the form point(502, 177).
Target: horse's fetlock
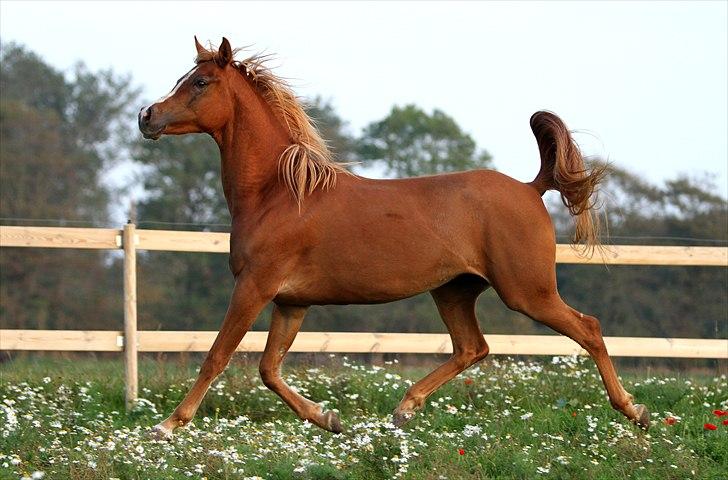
point(269, 376)
point(467, 356)
point(411, 401)
point(180, 420)
point(463, 360)
point(620, 404)
point(417, 402)
point(482, 352)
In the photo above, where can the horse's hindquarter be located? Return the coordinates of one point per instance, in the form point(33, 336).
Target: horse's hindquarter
point(375, 241)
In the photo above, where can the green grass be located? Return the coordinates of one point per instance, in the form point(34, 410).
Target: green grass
point(511, 419)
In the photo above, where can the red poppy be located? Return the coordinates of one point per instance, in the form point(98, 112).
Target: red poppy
point(725, 422)
point(468, 381)
point(573, 414)
point(720, 413)
point(709, 426)
point(461, 451)
point(670, 421)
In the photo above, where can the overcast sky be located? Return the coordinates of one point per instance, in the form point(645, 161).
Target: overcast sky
point(646, 82)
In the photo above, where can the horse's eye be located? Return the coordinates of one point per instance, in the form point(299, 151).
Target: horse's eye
point(200, 83)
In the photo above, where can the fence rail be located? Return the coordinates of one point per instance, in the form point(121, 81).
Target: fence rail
point(356, 342)
point(213, 242)
point(129, 239)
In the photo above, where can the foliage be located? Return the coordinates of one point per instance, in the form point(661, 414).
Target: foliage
point(57, 134)
point(502, 419)
point(181, 176)
point(333, 129)
point(654, 301)
point(411, 142)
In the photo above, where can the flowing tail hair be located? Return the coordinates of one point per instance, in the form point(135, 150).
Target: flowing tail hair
point(563, 169)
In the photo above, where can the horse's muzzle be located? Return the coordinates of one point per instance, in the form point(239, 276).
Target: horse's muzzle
point(146, 125)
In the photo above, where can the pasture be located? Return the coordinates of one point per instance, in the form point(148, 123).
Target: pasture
point(546, 418)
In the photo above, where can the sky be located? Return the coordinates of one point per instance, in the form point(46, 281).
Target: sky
point(645, 84)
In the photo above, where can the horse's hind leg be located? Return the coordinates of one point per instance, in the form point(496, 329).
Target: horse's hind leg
point(456, 304)
point(284, 326)
point(586, 331)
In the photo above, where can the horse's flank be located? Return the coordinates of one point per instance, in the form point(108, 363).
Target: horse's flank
point(307, 163)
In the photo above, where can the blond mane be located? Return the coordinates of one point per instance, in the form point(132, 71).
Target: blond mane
point(306, 164)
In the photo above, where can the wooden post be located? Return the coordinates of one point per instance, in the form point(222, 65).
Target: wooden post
point(130, 314)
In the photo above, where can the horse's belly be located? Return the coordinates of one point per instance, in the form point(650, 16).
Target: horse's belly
point(371, 282)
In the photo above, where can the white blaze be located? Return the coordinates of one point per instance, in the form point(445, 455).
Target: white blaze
point(176, 87)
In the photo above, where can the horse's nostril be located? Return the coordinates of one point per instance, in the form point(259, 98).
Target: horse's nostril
point(145, 115)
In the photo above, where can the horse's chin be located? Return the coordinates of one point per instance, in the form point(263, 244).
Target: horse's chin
point(152, 136)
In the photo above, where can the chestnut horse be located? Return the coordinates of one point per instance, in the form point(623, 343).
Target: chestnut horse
point(306, 232)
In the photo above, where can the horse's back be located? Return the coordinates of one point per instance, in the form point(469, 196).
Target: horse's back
point(481, 205)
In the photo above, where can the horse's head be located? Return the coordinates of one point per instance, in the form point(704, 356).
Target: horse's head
point(201, 101)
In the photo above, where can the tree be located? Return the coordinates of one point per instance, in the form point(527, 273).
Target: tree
point(410, 142)
point(181, 180)
point(57, 134)
point(333, 129)
point(654, 301)
point(56, 139)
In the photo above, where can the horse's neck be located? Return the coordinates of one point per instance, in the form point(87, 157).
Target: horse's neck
point(250, 145)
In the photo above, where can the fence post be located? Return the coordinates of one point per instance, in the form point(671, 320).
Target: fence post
point(130, 314)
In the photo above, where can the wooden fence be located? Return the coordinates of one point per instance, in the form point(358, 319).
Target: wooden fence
point(129, 239)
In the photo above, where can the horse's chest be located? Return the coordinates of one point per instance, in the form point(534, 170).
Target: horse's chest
point(260, 253)
point(242, 252)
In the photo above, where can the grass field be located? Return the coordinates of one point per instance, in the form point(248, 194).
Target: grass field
point(503, 419)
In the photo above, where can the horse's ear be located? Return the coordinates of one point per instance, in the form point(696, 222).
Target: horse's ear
point(224, 53)
point(200, 48)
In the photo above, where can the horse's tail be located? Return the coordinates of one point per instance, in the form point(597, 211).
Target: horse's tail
point(563, 169)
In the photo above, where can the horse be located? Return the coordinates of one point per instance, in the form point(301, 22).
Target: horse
point(306, 231)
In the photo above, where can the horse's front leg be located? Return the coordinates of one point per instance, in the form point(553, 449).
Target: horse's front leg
point(245, 304)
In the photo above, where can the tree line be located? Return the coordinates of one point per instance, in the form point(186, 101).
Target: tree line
point(60, 133)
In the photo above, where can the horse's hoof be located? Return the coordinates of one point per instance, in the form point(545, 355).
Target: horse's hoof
point(643, 416)
point(400, 418)
point(159, 432)
point(332, 422)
